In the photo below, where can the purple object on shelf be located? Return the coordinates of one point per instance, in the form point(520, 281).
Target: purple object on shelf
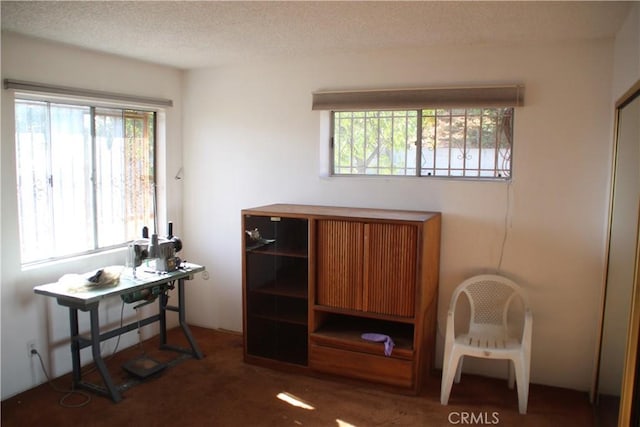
point(386, 339)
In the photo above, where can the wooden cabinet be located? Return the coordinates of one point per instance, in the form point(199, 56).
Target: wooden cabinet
point(365, 271)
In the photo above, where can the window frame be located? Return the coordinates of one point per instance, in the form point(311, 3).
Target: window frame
point(419, 136)
point(93, 103)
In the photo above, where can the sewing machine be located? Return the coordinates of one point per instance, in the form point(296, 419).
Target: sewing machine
point(158, 254)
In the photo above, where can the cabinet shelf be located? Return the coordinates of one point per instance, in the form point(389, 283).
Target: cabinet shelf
point(277, 307)
point(274, 250)
point(292, 318)
point(351, 340)
point(363, 314)
point(338, 330)
point(276, 340)
point(283, 288)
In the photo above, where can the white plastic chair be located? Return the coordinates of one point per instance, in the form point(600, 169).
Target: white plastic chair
point(490, 297)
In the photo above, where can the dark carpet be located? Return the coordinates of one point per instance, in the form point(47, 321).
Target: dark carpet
point(221, 390)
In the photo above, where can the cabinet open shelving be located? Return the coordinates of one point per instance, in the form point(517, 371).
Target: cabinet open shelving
point(345, 331)
point(276, 288)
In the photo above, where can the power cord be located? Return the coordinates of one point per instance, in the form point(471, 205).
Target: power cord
point(73, 391)
point(140, 346)
point(507, 215)
point(67, 393)
point(164, 294)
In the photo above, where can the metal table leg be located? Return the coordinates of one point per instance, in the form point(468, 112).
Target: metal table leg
point(75, 346)
point(163, 300)
point(78, 342)
point(180, 309)
point(183, 322)
point(112, 390)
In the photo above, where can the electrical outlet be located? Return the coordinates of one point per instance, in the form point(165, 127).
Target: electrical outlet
point(31, 348)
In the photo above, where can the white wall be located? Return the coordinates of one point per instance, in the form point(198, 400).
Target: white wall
point(626, 65)
point(250, 138)
point(24, 315)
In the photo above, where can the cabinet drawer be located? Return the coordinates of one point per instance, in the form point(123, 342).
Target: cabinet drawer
point(380, 369)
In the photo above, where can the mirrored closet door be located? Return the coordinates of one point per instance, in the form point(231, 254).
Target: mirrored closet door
point(615, 382)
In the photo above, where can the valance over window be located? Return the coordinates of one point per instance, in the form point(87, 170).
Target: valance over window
point(87, 93)
point(439, 97)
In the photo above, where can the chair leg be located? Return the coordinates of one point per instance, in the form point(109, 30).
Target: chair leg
point(459, 369)
point(448, 373)
point(511, 373)
point(522, 380)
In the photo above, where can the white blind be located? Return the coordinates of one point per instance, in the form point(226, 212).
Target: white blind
point(70, 91)
point(445, 97)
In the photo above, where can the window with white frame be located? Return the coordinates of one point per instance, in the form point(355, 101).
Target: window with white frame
point(462, 133)
point(85, 176)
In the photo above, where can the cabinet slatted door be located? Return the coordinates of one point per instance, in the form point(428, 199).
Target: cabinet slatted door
point(390, 269)
point(340, 249)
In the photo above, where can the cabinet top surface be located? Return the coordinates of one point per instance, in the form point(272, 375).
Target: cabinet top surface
point(339, 211)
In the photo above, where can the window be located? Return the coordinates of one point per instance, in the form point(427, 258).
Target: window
point(85, 177)
point(463, 132)
point(451, 142)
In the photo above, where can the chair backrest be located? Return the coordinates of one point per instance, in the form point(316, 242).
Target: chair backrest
point(490, 297)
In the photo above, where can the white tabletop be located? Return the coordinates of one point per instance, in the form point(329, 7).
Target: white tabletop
point(69, 293)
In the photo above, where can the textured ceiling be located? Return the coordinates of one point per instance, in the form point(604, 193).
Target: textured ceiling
point(190, 34)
